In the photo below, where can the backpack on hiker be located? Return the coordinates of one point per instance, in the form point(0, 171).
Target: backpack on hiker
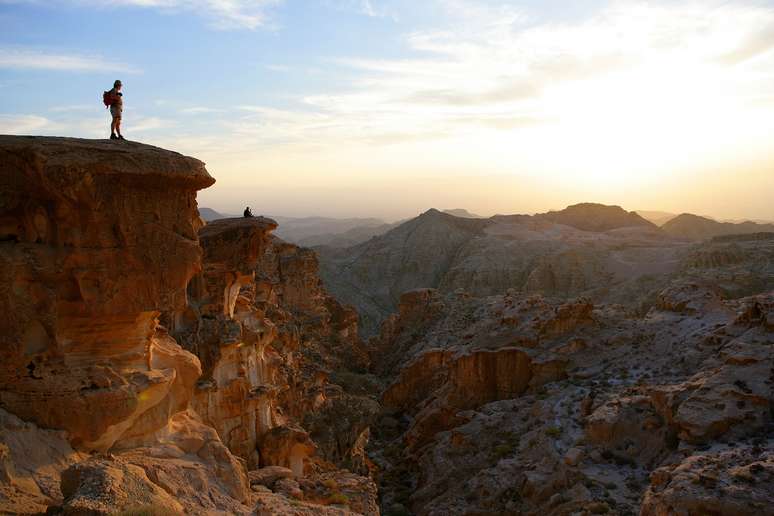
point(108, 98)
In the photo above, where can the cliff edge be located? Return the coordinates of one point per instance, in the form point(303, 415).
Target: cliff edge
point(101, 408)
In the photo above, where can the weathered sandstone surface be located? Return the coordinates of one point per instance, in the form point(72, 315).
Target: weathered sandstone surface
point(96, 241)
point(103, 409)
point(269, 337)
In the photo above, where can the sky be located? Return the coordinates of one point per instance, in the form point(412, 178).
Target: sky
point(386, 108)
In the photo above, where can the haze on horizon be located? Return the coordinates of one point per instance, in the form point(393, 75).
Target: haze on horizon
point(385, 108)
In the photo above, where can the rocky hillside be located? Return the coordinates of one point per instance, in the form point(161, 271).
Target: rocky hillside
point(599, 251)
point(514, 405)
point(596, 217)
point(701, 228)
point(658, 218)
point(229, 406)
point(419, 252)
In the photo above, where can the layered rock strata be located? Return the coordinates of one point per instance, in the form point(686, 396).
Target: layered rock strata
point(99, 241)
point(270, 338)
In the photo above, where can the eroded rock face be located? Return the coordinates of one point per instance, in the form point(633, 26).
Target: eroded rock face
point(96, 241)
point(516, 405)
point(101, 487)
point(31, 462)
point(732, 481)
point(269, 338)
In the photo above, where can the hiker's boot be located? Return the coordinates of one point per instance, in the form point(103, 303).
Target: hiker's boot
point(120, 136)
point(113, 137)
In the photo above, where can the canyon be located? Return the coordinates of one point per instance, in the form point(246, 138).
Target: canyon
point(581, 361)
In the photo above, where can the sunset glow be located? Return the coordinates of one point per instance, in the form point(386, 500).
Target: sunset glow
point(494, 106)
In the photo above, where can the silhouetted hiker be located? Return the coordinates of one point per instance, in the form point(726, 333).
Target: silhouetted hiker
point(248, 213)
point(114, 99)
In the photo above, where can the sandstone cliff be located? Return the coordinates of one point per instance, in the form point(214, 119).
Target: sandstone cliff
point(269, 337)
point(96, 242)
point(101, 408)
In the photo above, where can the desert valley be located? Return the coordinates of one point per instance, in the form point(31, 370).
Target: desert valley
point(579, 361)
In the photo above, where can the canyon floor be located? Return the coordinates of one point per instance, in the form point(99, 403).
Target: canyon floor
point(577, 362)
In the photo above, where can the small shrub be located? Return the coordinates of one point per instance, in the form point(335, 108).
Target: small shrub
point(338, 499)
point(553, 431)
point(503, 450)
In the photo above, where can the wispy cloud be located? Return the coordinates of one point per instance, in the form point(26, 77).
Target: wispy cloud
point(371, 8)
point(200, 110)
point(73, 107)
point(500, 65)
point(22, 124)
point(72, 123)
point(221, 14)
point(151, 123)
point(37, 59)
point(499, 89)
point(278, 67)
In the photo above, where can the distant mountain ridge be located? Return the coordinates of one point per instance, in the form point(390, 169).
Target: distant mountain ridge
point(658, 218)
point(461, 212)
point(208, 214)
point(315, 231)
point(695, 227)
point(564, 251)
point(596, 217)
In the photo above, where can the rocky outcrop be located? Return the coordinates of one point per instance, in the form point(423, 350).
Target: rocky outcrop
point(99, 242)
point(269, 338)
point(732, 482)
point(266, 331)
point(738, 265)
point(31, 463)
point(184, 464)
point(517, 405)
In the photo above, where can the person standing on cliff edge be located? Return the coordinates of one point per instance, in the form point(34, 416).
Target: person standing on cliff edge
point(114, 99)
